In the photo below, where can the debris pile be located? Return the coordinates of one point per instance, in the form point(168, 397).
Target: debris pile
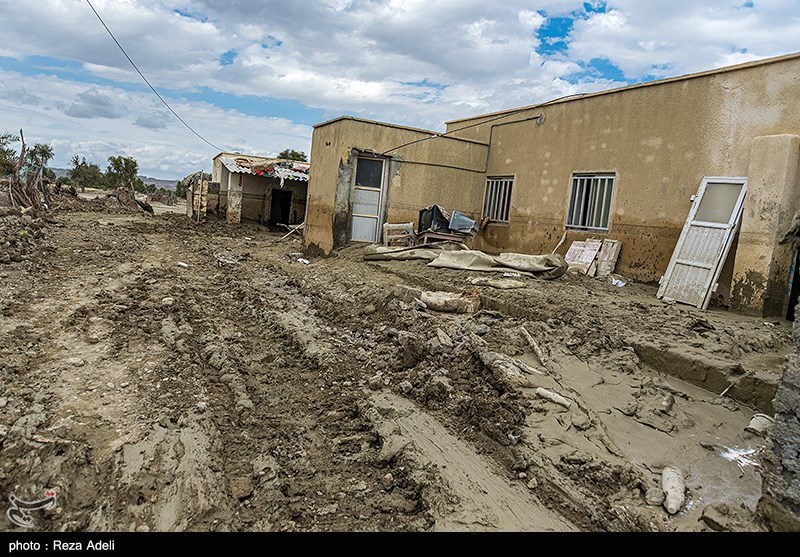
point(20, 235)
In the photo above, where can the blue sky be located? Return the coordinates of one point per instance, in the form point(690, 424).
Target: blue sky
point(254, 76)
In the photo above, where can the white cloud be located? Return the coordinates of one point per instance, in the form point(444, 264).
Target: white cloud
point(162, 148)
point(417, 62)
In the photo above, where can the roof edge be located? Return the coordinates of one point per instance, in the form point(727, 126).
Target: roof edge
point(685, 77)
point(397, 126)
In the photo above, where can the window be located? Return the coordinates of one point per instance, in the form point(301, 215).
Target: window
point(369, 172)
point(590, 201)
point(497, 204)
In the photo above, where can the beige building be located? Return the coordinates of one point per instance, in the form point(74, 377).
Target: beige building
point(270, 191)
point(623, 164)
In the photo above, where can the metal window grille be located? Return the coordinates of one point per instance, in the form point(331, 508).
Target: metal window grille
point(590, 201)
point(497, 204)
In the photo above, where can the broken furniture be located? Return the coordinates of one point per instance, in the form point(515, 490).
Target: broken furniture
point(594, 257)
point(437, 224)
point(292, 229)
point(430, 236)
point(401, 234)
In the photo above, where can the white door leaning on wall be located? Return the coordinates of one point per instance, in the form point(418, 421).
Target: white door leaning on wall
point(705, 241)
point(368, 191)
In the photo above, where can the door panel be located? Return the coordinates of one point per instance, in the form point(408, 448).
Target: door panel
point(704, 242)
point(368, 194)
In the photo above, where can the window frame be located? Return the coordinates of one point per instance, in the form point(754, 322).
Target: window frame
point(592, 181)
point(500, 202)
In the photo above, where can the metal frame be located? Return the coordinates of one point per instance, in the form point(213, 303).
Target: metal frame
point(381, 195)
point(599, 182)
point(495, 201)
point(731, 226)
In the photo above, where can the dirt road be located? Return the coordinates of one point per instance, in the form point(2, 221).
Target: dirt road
point(163, 375)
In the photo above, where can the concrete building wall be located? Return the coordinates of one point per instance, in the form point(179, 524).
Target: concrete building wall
point(444, 171)
point(659, 141)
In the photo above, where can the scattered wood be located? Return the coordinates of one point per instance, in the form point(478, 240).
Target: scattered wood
point(528, 368)
point(553, 397)
point(468, 301)
point(534, 345)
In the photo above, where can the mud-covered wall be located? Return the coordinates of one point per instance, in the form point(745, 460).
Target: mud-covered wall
point(445, 171)
point(762, 274)
point(659, 141)
point(257, 197)
point(780, 502)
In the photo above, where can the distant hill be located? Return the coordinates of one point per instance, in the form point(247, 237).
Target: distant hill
point(166, 184)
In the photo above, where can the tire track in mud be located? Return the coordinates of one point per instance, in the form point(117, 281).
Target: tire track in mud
point(592, 493)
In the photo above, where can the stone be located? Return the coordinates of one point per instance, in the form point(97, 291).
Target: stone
point(444, 340)
point(654, 496)
point(375, 382)
point(77, 362)
point(3, 402)
point(406, 386)
point(532, 484)
point(169, 301)
point(581, 421)
point(241, 488)
point(392, 446)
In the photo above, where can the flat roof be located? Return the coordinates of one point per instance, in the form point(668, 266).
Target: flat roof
point(398, 126)
point(685, 77)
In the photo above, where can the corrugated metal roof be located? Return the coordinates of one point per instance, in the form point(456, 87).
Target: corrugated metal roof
point(270, 168)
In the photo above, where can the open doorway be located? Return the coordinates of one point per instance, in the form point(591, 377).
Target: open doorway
point(794, 291)
point(280, 207)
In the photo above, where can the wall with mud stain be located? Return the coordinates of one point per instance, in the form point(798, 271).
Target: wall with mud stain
point(445, 171)
point(658, 141)
point(762, 274)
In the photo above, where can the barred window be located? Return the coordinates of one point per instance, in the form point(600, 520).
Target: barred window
point(590, 201)
point(497, 205)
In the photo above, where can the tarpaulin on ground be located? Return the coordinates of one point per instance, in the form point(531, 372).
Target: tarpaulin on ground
point(450, 256)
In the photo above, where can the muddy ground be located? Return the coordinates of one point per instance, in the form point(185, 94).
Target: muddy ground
point(158, 374)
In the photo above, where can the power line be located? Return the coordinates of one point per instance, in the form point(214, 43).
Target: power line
point(148, 83)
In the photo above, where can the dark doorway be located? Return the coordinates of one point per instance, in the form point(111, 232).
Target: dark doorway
point(795, 289)
point(280, 207)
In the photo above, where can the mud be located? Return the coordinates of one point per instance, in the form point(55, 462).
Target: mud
point(267, 394)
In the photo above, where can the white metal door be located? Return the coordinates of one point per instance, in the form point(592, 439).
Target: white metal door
point(704, 242)
point(367, 200)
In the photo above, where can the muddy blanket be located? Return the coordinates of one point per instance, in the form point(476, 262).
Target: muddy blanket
point(455, 256)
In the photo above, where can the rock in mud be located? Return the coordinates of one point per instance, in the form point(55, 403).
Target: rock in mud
point(167, 302)
point(241, 488)
point(392, 446)
point(444, 340)
point(440, 387)
point(722, 518)
point(581, 421)
point(77, 362)
point(654, 497)
point(532, 484)
point(375, 382)
point(631, 408)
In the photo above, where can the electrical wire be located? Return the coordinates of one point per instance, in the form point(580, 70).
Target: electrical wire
point(182, 121)
point(501, 116)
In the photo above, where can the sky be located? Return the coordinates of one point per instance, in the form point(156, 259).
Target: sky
point(254, 76)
